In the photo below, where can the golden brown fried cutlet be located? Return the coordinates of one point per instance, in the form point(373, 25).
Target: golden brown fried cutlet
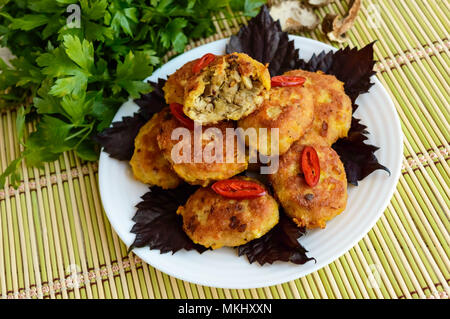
point(214, 221)
point(177, 81)
point(332, 108)
point(148, 164)
point(310, 206)
point(202, 172)
point(290, 109)
point(230, 87)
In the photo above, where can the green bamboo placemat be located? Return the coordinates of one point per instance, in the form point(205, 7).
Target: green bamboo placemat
point(56, 242)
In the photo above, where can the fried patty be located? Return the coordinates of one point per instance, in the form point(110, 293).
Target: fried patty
point(332, 108)
point(290, 109)
point(230, 87)
point(177, 81)
point(310, 206)
point(214, 221)
point(200, 170)
point(148, 164)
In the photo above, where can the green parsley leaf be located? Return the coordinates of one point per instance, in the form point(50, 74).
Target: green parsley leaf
point(75, 85)
point(95, 31)
point(29, 22)
point(51, 134)
point(56, 63)
point(12, 171)
point(173, 34)
point(75, 60)
point(131, 72)
point(20, 122)
point(94, 10)
point(88, 150)
point(77, 107)
point(81, 53)
point(249, 8)
point(46, 103)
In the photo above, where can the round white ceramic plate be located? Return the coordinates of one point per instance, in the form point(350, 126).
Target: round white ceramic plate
point(223, 268)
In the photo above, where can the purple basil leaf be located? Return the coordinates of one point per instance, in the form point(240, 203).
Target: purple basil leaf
point(352, 66)
point(279, 244)
point(157, 224)
point(263, 40)
point(118, 140)
point(152, 102)
point(358, 157)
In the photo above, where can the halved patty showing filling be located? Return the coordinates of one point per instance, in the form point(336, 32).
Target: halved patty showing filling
point(229, 88)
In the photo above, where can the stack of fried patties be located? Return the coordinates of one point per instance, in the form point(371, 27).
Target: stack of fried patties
point(310, 111)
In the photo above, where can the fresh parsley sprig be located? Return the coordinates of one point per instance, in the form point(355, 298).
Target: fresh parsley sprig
point(74, 71)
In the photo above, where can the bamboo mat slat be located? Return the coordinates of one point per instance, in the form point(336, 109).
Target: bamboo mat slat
point(56, 242)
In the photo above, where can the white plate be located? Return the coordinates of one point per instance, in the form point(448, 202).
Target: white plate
point(223, 268)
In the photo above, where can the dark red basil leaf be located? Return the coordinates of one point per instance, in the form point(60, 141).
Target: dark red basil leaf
point(156, 223)
point(154, 101)
point(263, 40)
point(358, 157)
point(352, 66)
point(118, 140)
point(279, 244)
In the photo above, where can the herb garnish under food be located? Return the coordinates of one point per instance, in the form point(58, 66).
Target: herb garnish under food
point(118, 140)
point(156, 223)
point(279, 244)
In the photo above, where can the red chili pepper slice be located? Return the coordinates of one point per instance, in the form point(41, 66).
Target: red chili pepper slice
point(177, 111)
point(310, 166)
point(238, 189)
point(282, 80)
point(203, 62)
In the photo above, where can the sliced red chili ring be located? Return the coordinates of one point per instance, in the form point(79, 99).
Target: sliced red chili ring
point(203, 62)
point(310, 166)
point(283, 80)
point(238, 189)
point(177, 111)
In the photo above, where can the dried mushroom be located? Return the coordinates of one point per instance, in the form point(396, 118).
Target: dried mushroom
point(335, 28)
point(318, 3)
point(273, 2)
point(294, 16)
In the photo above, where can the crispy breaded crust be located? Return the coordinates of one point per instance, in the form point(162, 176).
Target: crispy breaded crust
point(148, 164)
point(214, 221)
point(201, 173)
point(332, 107)
point(175, 84)
point(311, 206)
point(290, 109)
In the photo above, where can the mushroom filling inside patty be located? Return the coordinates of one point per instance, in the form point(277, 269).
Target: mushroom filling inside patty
point(228, 94)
